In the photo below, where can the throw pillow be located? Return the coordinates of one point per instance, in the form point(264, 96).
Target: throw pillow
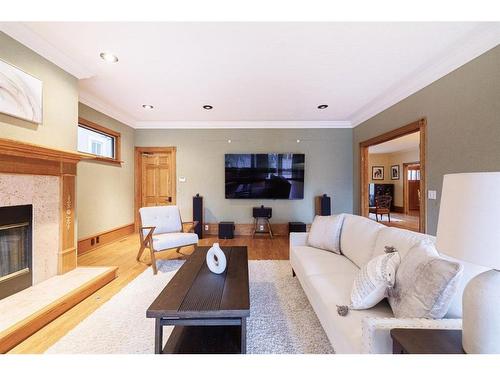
point(425, 284)
point(325, 233)
point(373, 281)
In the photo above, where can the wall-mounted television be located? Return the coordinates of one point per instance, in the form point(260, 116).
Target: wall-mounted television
point(264, 176)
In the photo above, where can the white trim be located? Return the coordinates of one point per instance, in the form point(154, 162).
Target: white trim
point(242, 125)
point(484, 38)
point(25, 35)
point(97, 104)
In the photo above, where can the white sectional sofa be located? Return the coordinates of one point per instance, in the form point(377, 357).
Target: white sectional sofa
point(327, 279)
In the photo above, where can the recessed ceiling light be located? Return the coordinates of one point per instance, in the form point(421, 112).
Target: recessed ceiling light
point(228, 141)
point(147, 106)
point(323, 106)
point(298, 140)
point(108, 57)
point(207, 107)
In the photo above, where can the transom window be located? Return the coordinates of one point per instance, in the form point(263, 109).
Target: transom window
point(98, 140)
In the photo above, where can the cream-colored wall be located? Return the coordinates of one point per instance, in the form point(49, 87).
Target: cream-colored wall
point(388, 160)
point(60, 100)
point(105, 192)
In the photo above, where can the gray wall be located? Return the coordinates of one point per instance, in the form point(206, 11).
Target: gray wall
point(463, 125)
point(105, 192)
point(200, 158)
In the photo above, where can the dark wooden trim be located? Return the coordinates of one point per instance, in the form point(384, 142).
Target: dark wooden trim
point(104, 238)
point(116, 160)
point(25, 328)
point(398, 209)
point(416, 126)
point(138, 176)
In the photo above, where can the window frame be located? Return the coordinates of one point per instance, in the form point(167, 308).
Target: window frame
point(116, 159)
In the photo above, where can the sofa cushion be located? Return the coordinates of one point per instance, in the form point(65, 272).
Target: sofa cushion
point(327, 291)
point(373, 281)
point(425, 284)
point(325, 233)
point(314, 261)
point(401, 239)
point(357, 239)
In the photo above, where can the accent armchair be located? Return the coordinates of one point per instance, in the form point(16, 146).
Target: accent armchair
point(382, 206)
point(162, 229)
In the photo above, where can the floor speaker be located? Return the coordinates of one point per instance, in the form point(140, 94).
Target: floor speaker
point(198, 215)
point(323, 205)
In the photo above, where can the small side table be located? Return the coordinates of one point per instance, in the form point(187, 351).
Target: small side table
point(426, 341)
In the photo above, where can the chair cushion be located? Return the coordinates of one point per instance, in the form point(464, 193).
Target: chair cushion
point(325, 233)
point(357, 239)
point(171, 240)
point(166, 219)
point(401, 239)
point(312, 261)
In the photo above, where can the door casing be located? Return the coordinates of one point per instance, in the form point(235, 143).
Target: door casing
point(138, 177)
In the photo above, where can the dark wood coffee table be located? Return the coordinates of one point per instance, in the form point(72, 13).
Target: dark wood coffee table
point(208, 311)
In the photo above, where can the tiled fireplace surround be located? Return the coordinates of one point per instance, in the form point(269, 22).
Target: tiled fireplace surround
point(45, 178)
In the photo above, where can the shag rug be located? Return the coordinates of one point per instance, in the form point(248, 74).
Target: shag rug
point(281, 318)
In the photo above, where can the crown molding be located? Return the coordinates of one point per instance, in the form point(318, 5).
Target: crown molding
point(482, 39)
point(24, 35)
point(243, 125)
point(99, 105)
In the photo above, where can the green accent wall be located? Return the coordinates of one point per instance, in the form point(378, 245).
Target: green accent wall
point(200, 159)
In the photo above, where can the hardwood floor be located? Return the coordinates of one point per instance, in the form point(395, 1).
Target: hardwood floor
point(399, 220)
point(122, 254)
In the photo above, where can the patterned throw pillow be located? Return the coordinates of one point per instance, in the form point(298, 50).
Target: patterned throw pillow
point(425, 284)
point(325, 233)
point(374, 280)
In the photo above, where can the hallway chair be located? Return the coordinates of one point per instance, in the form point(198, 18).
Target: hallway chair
point(382, 206)
point(162, 229)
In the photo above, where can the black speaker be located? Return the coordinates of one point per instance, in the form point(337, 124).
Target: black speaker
point(296, 226)
point(198, 215)
point(226, 229)
point(262, 212)
point(323, 205)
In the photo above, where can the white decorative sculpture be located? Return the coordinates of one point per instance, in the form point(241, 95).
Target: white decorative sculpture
point(216, 260)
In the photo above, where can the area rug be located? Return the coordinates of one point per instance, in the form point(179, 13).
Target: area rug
point(281, 318)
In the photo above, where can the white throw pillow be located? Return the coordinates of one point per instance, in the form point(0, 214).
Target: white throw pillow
point(374, 280)
point(325, 233)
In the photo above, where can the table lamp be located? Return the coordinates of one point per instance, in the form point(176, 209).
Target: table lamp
point(469, 229)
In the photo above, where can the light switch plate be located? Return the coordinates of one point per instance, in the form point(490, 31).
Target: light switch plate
point(182, 179)
point(432, 194)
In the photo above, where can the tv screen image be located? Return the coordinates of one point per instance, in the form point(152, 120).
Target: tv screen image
point(264, 176)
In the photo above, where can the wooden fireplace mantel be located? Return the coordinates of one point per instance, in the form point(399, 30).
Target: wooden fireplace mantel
point(26, 158)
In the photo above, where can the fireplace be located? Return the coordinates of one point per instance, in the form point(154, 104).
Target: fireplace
point(16, 271)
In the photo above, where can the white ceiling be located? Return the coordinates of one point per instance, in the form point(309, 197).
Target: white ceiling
point(254, 74)
point(405, 143)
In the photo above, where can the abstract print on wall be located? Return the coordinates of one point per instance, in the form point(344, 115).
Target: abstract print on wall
point(20, 94)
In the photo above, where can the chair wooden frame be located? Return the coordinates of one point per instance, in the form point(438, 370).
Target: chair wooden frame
point(147, 242)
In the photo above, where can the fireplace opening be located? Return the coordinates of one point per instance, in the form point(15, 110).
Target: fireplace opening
point(15, 249)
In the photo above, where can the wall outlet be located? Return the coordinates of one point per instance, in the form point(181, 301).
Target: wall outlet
point(431, 194)
point(261, 228)
point(206, 226)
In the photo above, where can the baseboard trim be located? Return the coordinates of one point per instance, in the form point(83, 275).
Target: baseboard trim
point(104, 238)
point(25, 328)
point(279, 229)
point(398, 209)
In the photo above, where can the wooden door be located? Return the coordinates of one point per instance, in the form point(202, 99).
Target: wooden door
point(157, 179)
point(412, 182)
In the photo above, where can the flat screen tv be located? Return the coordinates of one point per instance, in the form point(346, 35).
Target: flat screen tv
point(264, 176)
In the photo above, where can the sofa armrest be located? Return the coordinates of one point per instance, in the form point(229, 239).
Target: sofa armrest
point(376, 332)
point(298, 239)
